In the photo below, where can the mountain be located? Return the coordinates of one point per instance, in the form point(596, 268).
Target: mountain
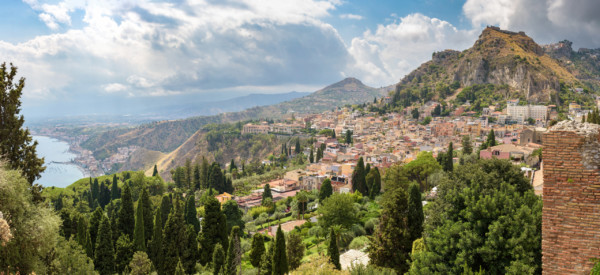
point(511, 62)
point(584, 63)
point(166, 136)
point(229, 105)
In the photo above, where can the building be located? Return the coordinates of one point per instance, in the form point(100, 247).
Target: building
point(522, 113)
point(255, 129)
point(222, 198)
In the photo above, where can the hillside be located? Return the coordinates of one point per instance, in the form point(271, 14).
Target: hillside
point(583, 63)
point(166, 136)
point(511, 62)
point(226, 143)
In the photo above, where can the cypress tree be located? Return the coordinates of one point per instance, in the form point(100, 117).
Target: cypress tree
point(191, 215)
point(234, 252)
point(125, 249)
point(190, 253)
point(103, 255)
point(155, 171)
point(205, 171)
point(333, 135)
point(148, 215)
point(311, 156)
point(179, 270)
point(257, 251)
point(139, 237)
point(390, 245)
point(165, 208)
point(232, 166)
point(114, 226)
point(297, 148)
point(214, 229)
point(333, 251)
point(216, 179)
point(448, 165)
point(104, 195)
point(218, 259)
point(375, 188)
point(358, 178)
point(126, 213)
point(89, 248)
point(467, 146)
point(326, 190)
point(197, 176)
point(266, 194)
point(280, 263)
point(82, 231)
point(114, 190)
point(415, 212)
point(491, 139)
point(94, 189)
point(295, 250)
point(95, 221)
point(155, 245)
point(367, 169)
point(173, 239)
point(266, 263)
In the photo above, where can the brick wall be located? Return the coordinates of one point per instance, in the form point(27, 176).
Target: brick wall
point(571, 194)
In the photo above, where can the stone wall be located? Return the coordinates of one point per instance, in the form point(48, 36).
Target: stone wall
point(571, 194)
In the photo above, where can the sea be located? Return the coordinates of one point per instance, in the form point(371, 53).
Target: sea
point(60, 172)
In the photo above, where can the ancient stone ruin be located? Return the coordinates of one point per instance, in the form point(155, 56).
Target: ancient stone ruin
point(571, 195)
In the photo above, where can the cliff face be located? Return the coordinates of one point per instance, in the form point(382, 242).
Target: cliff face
point(497, 57)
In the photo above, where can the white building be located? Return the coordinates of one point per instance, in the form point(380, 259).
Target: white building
point(522, 113)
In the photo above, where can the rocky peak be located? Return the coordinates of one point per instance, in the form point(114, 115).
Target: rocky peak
point(560, 50)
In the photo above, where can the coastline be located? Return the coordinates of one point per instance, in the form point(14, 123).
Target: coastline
point(84, 171)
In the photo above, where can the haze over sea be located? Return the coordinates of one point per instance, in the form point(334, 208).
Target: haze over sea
point(56, 156)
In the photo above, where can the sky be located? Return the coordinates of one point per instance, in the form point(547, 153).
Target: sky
point(113, 56)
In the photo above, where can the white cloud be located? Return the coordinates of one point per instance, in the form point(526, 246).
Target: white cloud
point(384, 56)
point(156, 48)
point(115, 87)
point(546, 21)
point(351, 16)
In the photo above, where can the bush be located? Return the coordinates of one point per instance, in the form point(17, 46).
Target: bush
point(361, 269)
point(358, 230)
point(359, 243)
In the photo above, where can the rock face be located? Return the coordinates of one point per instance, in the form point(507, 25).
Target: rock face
point(498, 57)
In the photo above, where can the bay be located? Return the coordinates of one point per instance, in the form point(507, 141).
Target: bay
point(59, 171)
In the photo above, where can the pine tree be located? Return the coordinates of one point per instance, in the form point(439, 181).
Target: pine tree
point(179, 270)
point(165, 208)
point(391, 244)
point(124, 253)
point(214, 229)
point(333, 251)
point(191, 215)
point(148, 215)
point(280, 263)
point(155, 245)
point(218, 259)
point(358, 178)
point(257, 251)
point(266, 194)
point(190, 252)
point(114, 190)
point(126, 213)
point(234, 252)
point(16, 144)
point(139, 237)
point(326, 190)
point(155, 171)
point(415, 213)
point(103, 255)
